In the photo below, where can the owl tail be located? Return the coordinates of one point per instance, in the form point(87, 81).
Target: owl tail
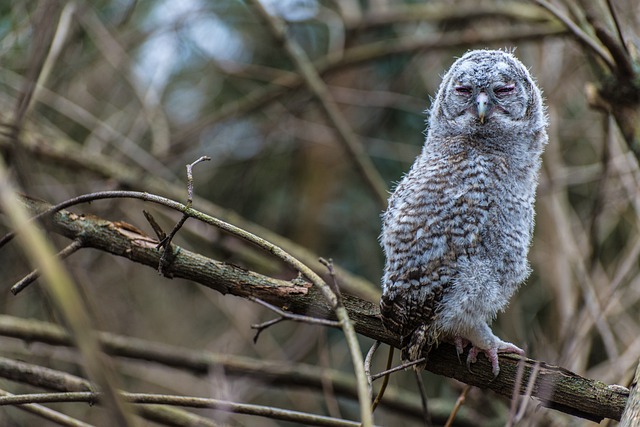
point(419, 345)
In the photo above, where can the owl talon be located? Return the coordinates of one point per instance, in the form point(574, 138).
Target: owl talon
point(492, 355)
point(472, 357)
point(460, 344)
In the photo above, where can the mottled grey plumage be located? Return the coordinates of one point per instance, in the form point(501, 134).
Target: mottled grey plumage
point(459, 224)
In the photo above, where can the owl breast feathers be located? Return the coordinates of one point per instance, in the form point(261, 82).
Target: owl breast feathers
point(459, 224)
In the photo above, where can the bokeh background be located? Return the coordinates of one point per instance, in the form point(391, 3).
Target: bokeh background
point(132, 91)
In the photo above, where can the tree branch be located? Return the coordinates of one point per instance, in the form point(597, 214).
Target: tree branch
point(201, 362)
point(51, 379)
point(186, 401)
point(48, 414)
point(554, 387)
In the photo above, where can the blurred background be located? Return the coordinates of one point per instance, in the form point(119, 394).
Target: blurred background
point(131, 91)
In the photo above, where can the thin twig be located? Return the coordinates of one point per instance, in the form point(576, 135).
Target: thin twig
point(615, 45)
point(385, 381)
point(287, 316)
point(578, 33)
point(57, 44)
point(160, 234)
point(457, 406)
point(620, 56)
point(35, 274)
point(32, 89)
point(264, 325)
point(533, 376)
point(616, 22)
point(297, 317)
point(367, 362)
point(423, 398)
point(166, 242)
point(398, 368)
point(332, 272)
point(516, 393)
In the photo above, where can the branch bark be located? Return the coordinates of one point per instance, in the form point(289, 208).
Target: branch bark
point(554, 387)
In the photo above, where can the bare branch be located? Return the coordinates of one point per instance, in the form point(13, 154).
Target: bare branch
point(35, 274)
point(287, 316)
point(186, 401)
point(336, 304)
point(200, 362)
point(555, 387)
point(385, 381)
point(616, 22)
point(66, 297)
point(459, 402)
point(51, 379)
point(400, 367)
point(579, 33)
point(48, 414)
point(165, 243)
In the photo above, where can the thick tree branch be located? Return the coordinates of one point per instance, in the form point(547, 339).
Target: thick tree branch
point(63, 151)
point(554, 387)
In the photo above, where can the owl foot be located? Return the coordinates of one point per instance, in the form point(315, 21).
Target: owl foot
point(460, 344)
point(492, 355)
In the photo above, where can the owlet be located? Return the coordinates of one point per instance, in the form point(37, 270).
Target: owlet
point(459, 224)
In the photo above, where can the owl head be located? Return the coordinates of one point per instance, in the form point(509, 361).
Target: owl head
point(485, 95)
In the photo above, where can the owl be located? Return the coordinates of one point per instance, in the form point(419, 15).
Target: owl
point(458, 226)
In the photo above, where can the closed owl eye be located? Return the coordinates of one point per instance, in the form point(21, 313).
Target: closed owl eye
point(504, 90)
point(463, 90)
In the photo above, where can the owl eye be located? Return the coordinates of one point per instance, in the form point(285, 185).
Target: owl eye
point(504, 90)
point(463, 90)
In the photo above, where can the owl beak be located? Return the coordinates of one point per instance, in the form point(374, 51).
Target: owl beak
point(482, 106)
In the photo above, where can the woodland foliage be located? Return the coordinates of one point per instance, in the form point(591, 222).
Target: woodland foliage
point(309, 111)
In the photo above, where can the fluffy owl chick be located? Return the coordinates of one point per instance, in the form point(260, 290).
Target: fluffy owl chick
point(459, 224)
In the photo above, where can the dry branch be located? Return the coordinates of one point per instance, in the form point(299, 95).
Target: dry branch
point(49, 414)
point(555, 387)
point(200, 362)
point(185, 401)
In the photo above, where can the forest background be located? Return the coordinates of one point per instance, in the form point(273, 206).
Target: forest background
point(310, 111)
